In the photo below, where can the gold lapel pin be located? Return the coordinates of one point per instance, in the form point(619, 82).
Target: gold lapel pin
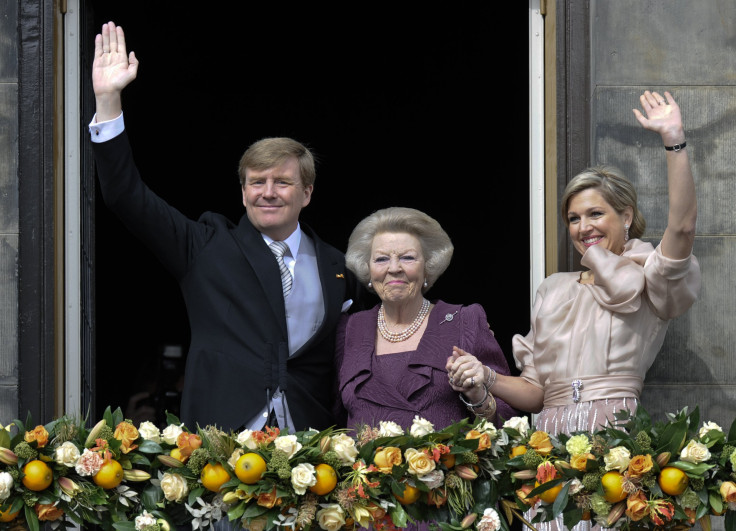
point(339, 275)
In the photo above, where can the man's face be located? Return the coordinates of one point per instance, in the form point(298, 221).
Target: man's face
point(273, 198)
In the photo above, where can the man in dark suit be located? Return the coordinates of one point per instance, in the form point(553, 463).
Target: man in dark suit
point(262, 330)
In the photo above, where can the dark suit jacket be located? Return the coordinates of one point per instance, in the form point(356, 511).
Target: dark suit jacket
point(232, 291)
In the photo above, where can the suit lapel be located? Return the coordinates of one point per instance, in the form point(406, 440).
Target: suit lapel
point(259, 256)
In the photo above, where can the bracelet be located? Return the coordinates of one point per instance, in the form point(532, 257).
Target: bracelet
point(491, 377)
point(676, 147)
point(468, 404)
point(489, 411)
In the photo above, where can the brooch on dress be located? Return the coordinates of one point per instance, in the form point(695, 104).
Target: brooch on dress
point(448, 317)
point(577, 385)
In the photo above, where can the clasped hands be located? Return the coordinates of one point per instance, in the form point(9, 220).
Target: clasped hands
point(466, 374)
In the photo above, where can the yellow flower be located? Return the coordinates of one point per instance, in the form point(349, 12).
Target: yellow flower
point(637, 506)
point(541, 443)
point(127, 434)
point(268, 499)
point(38, 434)
point(728, 491)
point(484, 439)
point(48, 512)
point(362, 516)
point(419, 462)
point(580, 461)
point(386, 458)
point(640, 465)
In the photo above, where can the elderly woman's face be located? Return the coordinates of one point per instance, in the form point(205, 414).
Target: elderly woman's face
point(397, 266)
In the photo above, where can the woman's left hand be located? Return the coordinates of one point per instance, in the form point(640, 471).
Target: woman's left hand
point(466, 374)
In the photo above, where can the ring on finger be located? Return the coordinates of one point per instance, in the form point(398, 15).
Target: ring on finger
point(472, 381)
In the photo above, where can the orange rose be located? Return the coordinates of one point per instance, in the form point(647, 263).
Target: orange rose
point(377, 512)
point(386, 457)
point(127, 434)
point(484, 440)
point(187, 443)
point(580, 461)
point(640, 465)
point(437, 497)
point(728, 491)
point(38, 434)
point(269, 499)
point(541, 443)
point(523, 492)
point(637, 506)
point(48, 512)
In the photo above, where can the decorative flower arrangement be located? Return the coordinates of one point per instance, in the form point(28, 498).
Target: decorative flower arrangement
point(632, 475)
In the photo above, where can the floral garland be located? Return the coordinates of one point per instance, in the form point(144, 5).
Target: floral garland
point(634, 474)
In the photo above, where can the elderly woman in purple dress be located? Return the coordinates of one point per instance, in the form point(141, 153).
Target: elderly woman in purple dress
point(395, 361)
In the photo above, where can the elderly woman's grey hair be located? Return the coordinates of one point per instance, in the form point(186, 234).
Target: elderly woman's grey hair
point(436, 245)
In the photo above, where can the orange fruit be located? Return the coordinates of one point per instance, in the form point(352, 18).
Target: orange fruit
point(613, 488)
point(517, 451)
point(326, 479)
point(250, 467)
point(37, 475)
point(448, 460)
point(213, 476)
point(110, 475)
point(7, 516)
point(549, 495)
point(410, 495)
point(672, 481)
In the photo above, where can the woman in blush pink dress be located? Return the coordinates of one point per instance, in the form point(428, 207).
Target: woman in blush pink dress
point(594, 334)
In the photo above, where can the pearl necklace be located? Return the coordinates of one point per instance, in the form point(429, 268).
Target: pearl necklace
point(406, 334)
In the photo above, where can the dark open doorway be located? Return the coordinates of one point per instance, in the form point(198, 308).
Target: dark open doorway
point(426, 109)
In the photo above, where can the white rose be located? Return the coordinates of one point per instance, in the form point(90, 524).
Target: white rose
point(489, 428)
point(67, 454)
point(302, 477)
point(331, 517)
point(434, 479)
point(490, 521)
point(708, 426)
point(617, 458)
point(520, 424)
point(174, 487)
point(6, 485)
point(421, 427)
point(388, 428)
point(287, 444)
point(245, 438)
point(344, 446)
point(575, 486)
point(144, 520)
point(695, 452)
point(149, 431)
point(171, 433)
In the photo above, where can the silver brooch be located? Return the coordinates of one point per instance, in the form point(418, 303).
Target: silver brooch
point(577, 385)
point(448, 317)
